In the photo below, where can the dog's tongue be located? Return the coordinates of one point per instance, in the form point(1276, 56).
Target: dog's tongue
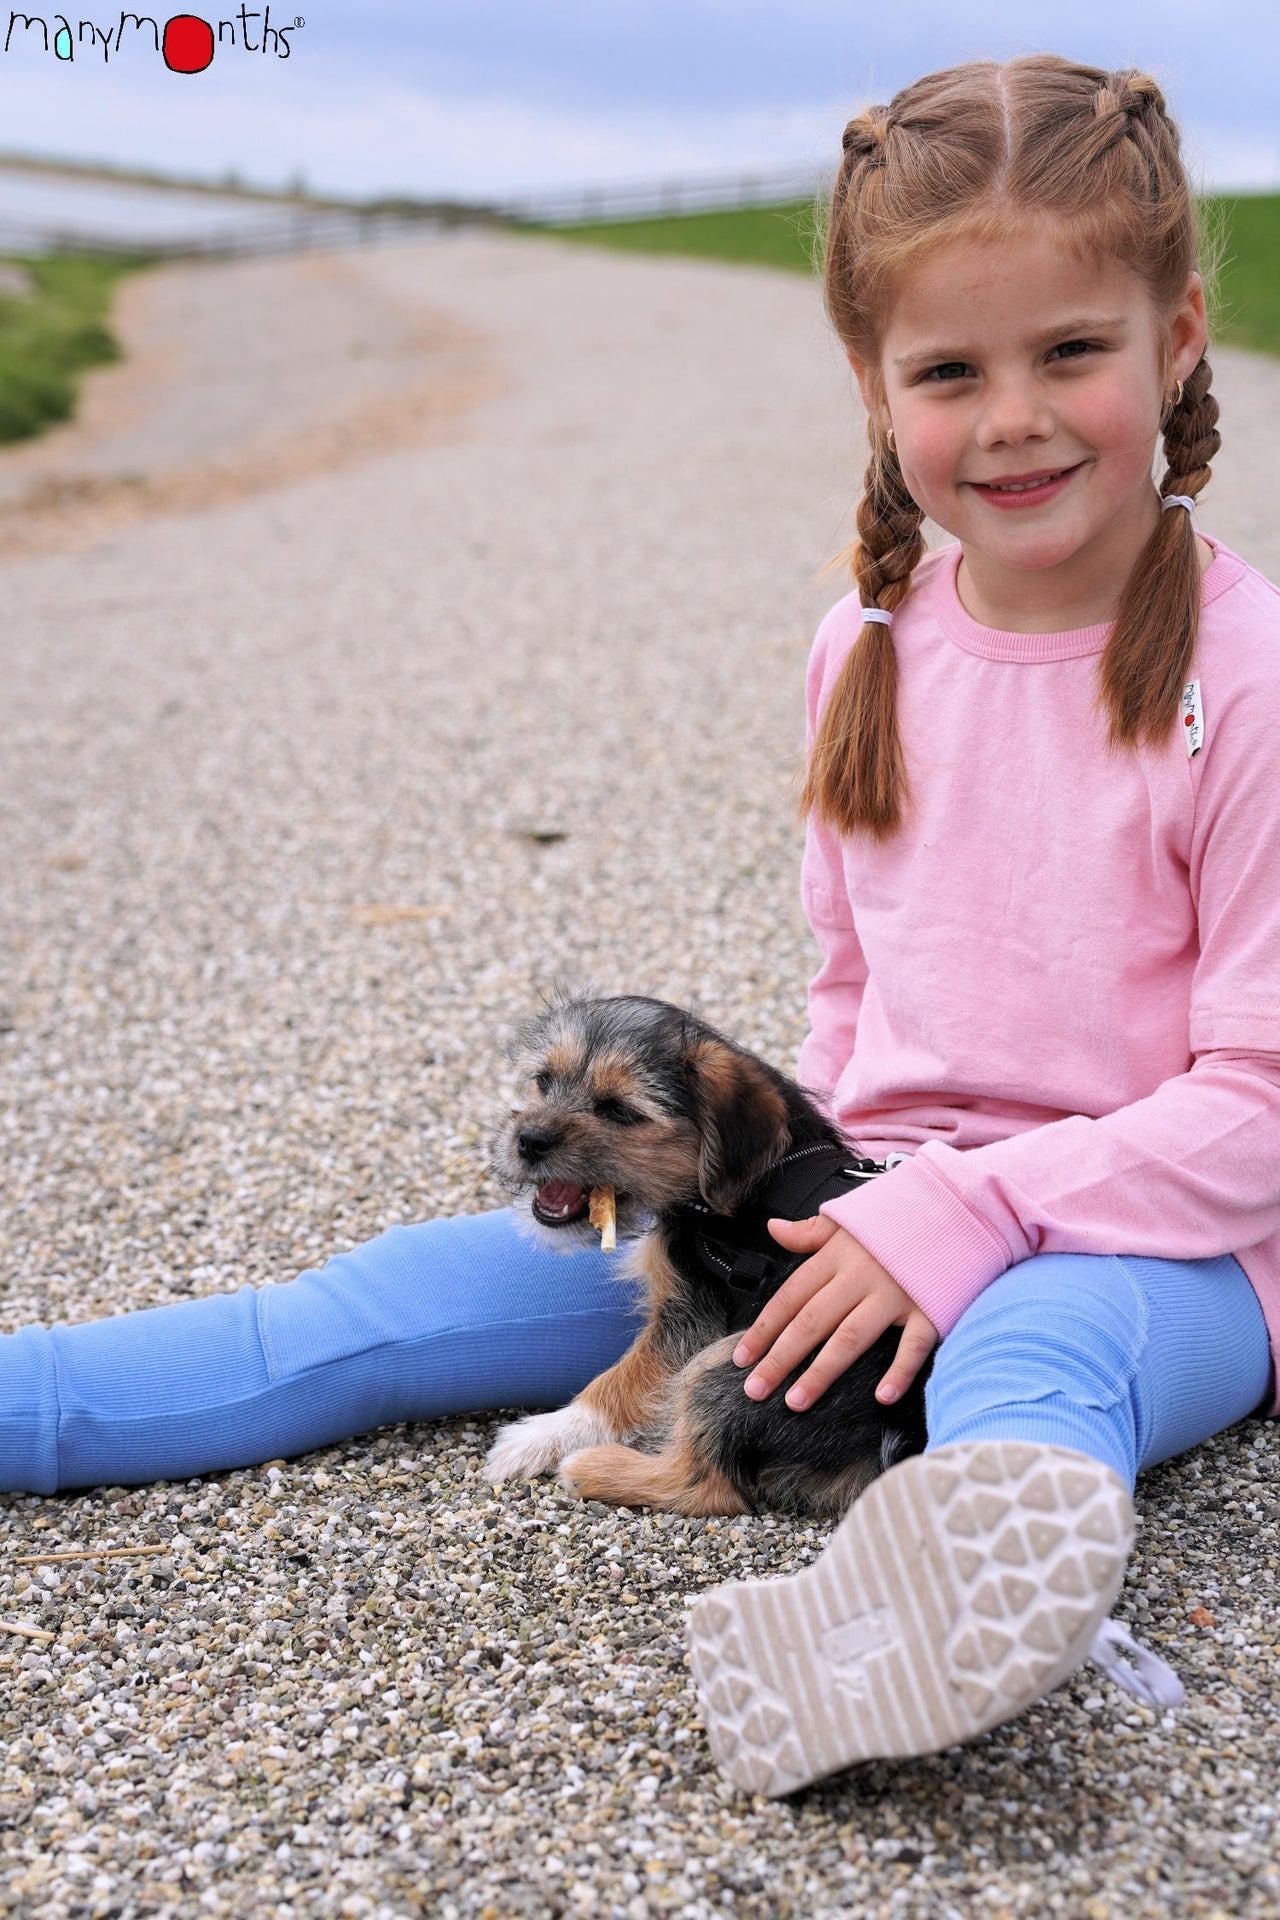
point(561, 1199)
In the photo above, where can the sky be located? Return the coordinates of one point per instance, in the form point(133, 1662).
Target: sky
point(477, 99)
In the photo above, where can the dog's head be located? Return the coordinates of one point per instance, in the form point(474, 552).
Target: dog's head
point(640, 1096)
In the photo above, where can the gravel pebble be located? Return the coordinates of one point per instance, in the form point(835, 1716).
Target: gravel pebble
point(305, 797)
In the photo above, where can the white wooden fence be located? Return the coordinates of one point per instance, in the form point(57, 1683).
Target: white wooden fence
point(299, 227)
point(286, 232)
point(578, 206)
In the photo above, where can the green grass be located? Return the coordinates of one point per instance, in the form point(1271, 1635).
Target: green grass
point(763, 236)
point(49, 336)
point(1247, 308)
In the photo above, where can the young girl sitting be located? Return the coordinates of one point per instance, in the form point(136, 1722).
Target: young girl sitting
point(1044, 840)
point(1043, 868)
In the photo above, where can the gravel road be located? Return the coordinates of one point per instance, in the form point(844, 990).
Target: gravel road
point(393, 634)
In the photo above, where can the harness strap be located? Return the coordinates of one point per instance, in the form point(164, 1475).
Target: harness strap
point(739, 1250)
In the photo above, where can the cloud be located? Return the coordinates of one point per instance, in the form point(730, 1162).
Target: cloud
point(496, 97)
point(384, 136)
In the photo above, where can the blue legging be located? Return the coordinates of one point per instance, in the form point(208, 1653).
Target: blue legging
point(1129, 1360)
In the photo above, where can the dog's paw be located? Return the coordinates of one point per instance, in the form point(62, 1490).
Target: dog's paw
point(541, 1441)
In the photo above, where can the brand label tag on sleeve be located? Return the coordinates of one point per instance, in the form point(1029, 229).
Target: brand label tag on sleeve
point(1192, 717)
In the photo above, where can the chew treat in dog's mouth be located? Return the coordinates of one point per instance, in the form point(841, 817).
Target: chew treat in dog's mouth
point(602, 1212)
point(558, 1202)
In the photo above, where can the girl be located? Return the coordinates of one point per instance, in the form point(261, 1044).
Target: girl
point(1042, 863)
point(1043, 836)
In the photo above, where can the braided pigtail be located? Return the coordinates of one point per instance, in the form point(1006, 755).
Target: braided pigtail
point(856, 778)
point(1153, 640)
point(1128, 106)
point(1148, 656)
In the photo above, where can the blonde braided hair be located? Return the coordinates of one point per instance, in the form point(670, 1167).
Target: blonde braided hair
point(857, 752)
point(1148, 657)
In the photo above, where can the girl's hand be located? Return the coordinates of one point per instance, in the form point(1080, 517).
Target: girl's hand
point(841, 1292)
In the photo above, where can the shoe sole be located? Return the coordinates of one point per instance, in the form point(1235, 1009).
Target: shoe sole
point(961, 1587)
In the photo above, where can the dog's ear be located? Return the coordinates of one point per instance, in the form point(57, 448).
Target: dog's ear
point(741, 1116)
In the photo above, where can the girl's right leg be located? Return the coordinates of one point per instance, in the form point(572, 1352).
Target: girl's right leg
point(969, 1581)
point(445, 1317)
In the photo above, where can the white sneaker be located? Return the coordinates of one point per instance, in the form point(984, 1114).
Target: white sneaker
point(961, 1587)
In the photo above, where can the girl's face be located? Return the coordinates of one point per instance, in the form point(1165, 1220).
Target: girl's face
point(1003, 364)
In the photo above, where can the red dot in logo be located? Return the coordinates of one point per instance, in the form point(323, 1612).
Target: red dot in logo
point(1190, 720)
point(188, 43)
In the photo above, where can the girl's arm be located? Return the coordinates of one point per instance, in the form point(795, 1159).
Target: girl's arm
point(840, 1299)
point(835, 992)
point(1190, 1172)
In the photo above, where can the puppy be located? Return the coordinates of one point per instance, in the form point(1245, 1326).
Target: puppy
point(703, 1143)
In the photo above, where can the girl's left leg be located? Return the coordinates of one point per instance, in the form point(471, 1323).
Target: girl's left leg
point(446, 1316)
point(970, 1581)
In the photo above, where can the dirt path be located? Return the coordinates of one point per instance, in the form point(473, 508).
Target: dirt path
point(236, 378)
point(241, 377)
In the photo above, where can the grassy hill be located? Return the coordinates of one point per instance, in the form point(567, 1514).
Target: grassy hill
point(48, 336)
point(1246, 226)
point(51, 334)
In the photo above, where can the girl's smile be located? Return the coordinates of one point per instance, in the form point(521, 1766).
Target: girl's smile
point(1025, 389)
point(1023, 490)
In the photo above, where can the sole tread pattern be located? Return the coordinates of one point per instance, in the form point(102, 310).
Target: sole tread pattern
point(749, 1727)
point(960, 1588)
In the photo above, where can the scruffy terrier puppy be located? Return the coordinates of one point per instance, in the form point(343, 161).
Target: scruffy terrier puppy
point(702, 1143)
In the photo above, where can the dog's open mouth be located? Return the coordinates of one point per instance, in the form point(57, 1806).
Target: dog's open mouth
point(559, 1201)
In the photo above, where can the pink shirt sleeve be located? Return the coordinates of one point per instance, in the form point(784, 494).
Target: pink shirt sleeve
point(1186, 1174)
point(835, 991)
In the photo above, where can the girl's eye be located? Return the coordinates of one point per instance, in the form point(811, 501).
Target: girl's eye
point(618, 1112)
point(947, 372)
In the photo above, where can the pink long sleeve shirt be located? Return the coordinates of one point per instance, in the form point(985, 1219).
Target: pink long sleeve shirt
point(1057, 988)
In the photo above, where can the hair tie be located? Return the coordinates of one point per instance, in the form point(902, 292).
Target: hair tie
point(877, 613)
point(1178, 500)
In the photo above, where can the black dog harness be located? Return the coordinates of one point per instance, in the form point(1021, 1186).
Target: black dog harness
point(739, 1252)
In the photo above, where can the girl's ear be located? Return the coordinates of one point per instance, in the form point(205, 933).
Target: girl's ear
point(1189, 329)
point(864, 374)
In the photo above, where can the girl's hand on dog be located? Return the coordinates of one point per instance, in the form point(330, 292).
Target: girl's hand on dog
point(841, 1296)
